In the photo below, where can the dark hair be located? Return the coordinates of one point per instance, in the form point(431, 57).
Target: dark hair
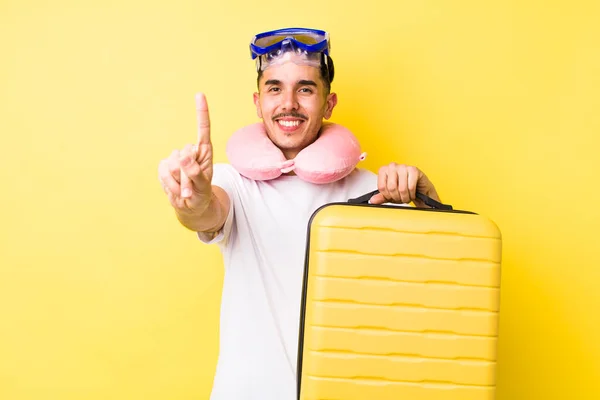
point(327, 72)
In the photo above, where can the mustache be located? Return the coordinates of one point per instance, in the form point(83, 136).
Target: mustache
point(292, 114)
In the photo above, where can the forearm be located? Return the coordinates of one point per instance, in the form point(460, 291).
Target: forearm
point(212, 218)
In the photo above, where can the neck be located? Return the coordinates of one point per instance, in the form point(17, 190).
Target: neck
point(290, 154)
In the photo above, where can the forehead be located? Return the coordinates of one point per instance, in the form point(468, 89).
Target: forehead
point(290, 73)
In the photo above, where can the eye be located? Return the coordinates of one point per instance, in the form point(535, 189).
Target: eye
point(273, 89)
point(306, 90)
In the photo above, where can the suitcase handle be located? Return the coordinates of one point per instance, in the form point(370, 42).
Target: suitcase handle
point(364, 199)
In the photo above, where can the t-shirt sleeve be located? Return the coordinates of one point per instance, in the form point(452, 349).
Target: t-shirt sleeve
point(224, 177)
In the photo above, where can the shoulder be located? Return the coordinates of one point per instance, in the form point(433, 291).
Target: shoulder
point(361, 175)
point(364, 172)
point(225, 175)
point(225, 169)
point(237, 186)
point(359, 182)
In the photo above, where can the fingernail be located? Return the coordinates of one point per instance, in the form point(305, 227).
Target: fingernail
point(186, 192)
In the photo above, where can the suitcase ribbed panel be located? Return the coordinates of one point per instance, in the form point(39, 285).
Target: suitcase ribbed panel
point(400, 303)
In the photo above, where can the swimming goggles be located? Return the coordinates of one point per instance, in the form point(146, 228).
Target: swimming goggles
point(299, 45)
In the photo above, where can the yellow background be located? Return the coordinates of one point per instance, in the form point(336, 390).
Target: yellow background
point(104, 296)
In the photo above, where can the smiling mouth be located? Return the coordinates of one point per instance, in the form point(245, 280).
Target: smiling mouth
point(288, 123)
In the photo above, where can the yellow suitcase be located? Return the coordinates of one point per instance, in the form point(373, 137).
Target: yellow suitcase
point(399, 303)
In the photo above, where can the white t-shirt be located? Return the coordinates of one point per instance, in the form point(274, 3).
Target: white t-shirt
point(263, 244)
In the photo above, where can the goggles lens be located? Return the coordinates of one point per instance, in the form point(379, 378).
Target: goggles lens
point(306, 38)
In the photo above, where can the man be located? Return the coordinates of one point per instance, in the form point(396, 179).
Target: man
point(260, 226)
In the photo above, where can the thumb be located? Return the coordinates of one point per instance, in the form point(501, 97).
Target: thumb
point(377, 199)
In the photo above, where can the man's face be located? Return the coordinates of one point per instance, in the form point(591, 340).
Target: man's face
point(292, 103)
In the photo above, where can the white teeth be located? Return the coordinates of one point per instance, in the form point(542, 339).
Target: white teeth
point(289, 123)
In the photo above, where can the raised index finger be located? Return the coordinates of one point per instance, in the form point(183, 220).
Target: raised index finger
point(203, 119)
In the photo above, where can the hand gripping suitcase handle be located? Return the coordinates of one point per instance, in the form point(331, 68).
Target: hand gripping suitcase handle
point(364, 199)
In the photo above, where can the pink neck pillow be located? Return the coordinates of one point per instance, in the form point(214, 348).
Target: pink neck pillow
point(331, 157)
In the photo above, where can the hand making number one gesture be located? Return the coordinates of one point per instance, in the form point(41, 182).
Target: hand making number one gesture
point(186, 175)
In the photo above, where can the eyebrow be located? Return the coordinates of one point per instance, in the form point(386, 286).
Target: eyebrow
point(302, 82)
point(305, 82)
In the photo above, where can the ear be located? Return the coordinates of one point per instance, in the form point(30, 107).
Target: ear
point(330, 105)
point(256, 97)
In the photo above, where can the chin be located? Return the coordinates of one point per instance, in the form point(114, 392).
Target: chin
point(285, 143)
point(290, 139)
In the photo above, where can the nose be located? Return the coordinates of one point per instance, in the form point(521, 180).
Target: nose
point(289, 101)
